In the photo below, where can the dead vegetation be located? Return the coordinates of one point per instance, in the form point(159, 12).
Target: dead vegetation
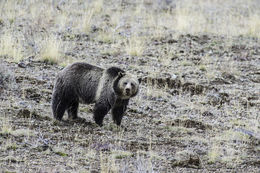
point(198, 108)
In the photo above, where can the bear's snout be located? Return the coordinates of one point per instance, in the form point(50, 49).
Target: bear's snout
point(127, 90)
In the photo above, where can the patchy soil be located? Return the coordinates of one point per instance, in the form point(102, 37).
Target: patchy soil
point(178, 129)
point(197, 111)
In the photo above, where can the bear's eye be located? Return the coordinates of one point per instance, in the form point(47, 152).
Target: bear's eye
point(125, 83)
point(132, 85)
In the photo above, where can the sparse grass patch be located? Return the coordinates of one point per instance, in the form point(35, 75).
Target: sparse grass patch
point(228, 154)
point(197, 139)
point(225, 154)
point(51, 50)
point(91, 154)
point(211, 74)
point(60, 151)
point(66, 61)
point(23, 132)
point(143, 164)
point(232, 135)
point(119, 154)
point(98, 6)
point(186, 17)
point(114, 48)
point(135, 46)
point(110, 51)
point(105, 37)
point(85, 108)
point(179, 129)
point(115, 19)
point(61, 20)
point(10, 47)
point(203, 17)
point(8, 10)
point(202, 68)
point(155, 92)
point(214, 154)
point(8, 144)
point(153, 89)
point(186, 63)
point(86, 21)
point(167, 54)
point(112, 127)
point(6, 128)
point(11, 146)
point(107, 163)
point(254, 25)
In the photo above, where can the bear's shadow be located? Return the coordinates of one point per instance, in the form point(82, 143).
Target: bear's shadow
point(79, 120)
point(83, 122)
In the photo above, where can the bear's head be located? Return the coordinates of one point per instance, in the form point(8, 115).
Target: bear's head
point(126, 86)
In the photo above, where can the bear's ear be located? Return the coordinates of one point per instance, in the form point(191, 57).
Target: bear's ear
point(121, 74)
point(140, 80)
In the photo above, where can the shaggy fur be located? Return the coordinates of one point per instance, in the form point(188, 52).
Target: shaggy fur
point(84, 83)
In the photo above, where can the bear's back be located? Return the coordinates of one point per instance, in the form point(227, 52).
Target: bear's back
point(81, 79)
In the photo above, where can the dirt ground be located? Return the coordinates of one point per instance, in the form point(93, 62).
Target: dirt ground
point(197, 109)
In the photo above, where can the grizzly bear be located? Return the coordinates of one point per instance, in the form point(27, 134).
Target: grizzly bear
point(85, 83)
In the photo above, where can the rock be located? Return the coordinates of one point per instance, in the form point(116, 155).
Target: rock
point(207, 114)
point(21, 65)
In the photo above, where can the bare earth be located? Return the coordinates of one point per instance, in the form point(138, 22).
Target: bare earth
point(197, 111)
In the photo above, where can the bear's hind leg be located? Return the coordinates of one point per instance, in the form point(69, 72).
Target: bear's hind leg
point(73, 110)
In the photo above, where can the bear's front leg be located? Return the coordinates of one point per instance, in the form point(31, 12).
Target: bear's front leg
point(117, 113)
point(73, 110)
point(100, 110)
point(59, 105)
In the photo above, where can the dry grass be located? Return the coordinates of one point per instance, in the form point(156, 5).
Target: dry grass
point(6, 127)
point(11, 47)
point(131, 31)
point(87, 21)
point(135, 46)
point(51, 50)
point(225, 151)
point(234, 18)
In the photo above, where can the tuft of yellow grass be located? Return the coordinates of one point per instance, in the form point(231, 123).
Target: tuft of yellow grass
point(50, 51)
point(135, 46)
point(6, 128)
point(214, 154)
point(108, 163)
point(105, 36)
